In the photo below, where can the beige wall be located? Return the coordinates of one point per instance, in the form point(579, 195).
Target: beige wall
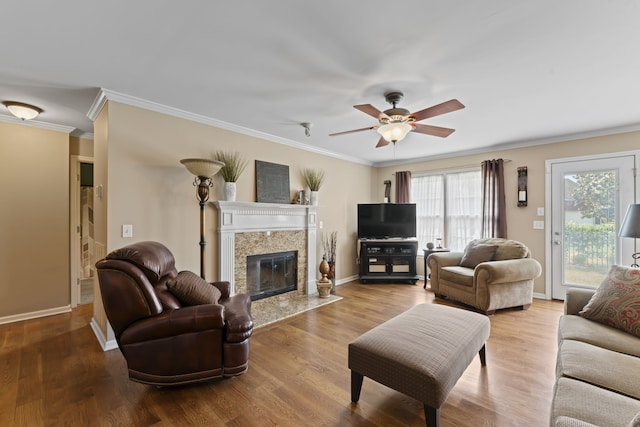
point(520, 220)
point(80, 146)
point(34, 219)
point(150, 189)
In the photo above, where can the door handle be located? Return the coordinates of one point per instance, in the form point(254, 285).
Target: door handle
point(557, 242)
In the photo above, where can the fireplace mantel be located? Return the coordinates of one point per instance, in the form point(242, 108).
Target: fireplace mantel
point(245, 217)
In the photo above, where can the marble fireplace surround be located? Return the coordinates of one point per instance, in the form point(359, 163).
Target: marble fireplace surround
point(249, 228)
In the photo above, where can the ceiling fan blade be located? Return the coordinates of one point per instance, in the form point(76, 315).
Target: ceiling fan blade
point(371, 110)
point(433, 130)
point(352, 131)
point(436, 110)
point(382, 142)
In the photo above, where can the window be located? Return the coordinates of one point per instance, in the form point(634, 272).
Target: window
point(448, 206)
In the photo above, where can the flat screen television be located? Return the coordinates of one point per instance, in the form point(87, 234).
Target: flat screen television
point(386, 220)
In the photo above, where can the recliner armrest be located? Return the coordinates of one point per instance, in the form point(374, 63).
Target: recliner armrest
point(237, 313)
point(444, 259)
point(507, 271)
point(170, 323)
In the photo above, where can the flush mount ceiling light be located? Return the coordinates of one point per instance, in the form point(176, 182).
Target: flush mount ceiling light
point(21, 110)
point(394, 132)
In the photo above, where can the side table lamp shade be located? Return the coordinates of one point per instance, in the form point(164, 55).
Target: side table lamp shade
point(203, 169)
point(631, 227)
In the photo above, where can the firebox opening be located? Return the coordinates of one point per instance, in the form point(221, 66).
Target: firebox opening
point(272, 274)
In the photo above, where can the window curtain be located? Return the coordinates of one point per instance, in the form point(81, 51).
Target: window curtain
point(494, 220)
point(427, 192)
point(403, 187)
point(464, 203)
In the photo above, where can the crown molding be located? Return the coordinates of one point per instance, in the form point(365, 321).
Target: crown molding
point(519, 144)
point(83, 135)
point(108, 95)
point(36, 124)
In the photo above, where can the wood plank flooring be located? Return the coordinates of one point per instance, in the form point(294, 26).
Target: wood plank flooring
point(53, 372)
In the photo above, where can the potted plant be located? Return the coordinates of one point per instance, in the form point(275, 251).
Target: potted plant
point(313, 178)
point(234, 165)
point(329, 245)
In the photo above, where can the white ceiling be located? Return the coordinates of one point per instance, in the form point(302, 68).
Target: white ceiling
point(527, 71)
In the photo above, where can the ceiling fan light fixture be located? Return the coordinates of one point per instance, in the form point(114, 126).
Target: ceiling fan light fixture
point(394, 132)
point(21, 110)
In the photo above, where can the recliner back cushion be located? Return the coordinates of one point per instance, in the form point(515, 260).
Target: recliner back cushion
point(153, 258)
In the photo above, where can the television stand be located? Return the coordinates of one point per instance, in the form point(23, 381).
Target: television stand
point(388, 260)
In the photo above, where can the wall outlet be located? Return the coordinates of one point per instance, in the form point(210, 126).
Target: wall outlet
point(127, 230)
point(538, 225)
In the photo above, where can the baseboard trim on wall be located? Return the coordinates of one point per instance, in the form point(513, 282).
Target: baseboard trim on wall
point(102, 340)
point(35, 314)
point(346, 280)
point(539, 296)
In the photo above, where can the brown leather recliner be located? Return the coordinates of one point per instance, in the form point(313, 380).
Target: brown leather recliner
point(163, 342)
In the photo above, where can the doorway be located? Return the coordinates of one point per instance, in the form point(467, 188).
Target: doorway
point(589, 197)
point(82, 231)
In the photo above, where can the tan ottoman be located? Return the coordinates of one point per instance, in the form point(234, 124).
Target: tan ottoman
point(421, 353)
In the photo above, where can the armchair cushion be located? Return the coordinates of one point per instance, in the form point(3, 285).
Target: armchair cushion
point(192, 289)
point(476, 253)
point(616, 302)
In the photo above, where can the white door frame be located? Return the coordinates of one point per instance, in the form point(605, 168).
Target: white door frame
point(548, 274)
point(74, 229)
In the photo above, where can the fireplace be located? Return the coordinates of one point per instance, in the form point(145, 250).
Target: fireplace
point(271, 274)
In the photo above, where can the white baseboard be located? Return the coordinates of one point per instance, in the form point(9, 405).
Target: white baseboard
point(346, 280)
point(102, 340)
point(539, 296)
point(35, 314)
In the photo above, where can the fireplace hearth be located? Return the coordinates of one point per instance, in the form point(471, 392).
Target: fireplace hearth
point(271, 274)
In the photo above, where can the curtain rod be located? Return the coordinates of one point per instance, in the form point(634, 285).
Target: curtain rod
point(451, 168)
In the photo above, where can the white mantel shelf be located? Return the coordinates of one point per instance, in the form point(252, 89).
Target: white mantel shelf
point(243, 217)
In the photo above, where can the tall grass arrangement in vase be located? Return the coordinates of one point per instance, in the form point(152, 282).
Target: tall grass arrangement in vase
point(234, 165)
point(313, 178)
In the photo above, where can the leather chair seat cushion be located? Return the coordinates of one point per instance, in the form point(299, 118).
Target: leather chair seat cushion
point(192, 289)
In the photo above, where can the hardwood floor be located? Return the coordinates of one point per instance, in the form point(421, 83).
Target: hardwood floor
point(53, 372)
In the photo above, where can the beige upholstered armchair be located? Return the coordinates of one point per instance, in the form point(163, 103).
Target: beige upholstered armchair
point(490, 274)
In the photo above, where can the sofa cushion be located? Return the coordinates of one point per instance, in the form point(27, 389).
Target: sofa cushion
point(580, 329)
point(591, 404)
point(617, 300)
point(192, 289)
point(599, 366)
point(458, 275)
point(563, 421)
point(507, 249)
point(475, 253)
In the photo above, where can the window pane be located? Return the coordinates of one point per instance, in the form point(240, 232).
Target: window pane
point(459, 220)
point(427, 192)
point(464, 209)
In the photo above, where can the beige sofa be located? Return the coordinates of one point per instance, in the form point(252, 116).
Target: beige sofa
point(597, 371)
point(490, 274)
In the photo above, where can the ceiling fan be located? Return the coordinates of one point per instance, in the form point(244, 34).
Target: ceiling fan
point(396, 122)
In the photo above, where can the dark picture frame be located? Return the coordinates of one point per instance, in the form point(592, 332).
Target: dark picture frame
point(272, 183)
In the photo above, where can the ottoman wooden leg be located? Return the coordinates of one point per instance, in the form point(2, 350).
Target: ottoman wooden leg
point(432, 416)
point(483, 356)
point(356, 386)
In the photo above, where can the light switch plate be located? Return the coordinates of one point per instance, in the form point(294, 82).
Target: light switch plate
point(538, 225)
point(540, 211)
point(127, 230)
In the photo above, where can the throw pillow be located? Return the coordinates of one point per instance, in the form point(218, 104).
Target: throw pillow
point(477, 253)
point(192, 289)
point(616, 302)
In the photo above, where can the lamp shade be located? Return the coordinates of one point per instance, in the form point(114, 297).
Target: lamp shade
point(22, 111)
point(394, 132)
point(631, 223)
point(202, 168)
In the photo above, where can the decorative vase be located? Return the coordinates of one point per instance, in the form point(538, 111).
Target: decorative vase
point(314, 198)
point(324, 285)
point(230, 191)
point(332, 275)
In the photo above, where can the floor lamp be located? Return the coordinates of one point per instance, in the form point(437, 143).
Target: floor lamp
point(204, 170)
point(631, 228)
